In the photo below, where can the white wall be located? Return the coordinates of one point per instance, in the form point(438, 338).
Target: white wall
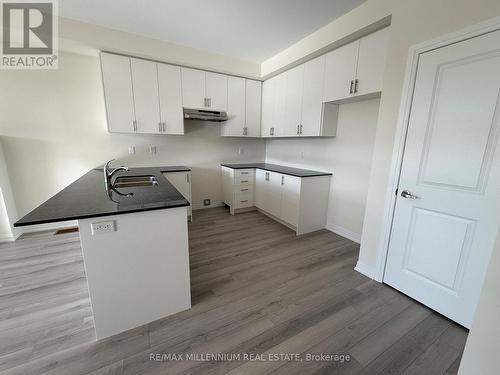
point(83, 38)
point(348, 156)
point(481, 351)
point(53, 129)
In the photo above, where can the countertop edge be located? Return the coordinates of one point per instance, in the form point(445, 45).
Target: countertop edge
point(80, 217)
point(248, 165)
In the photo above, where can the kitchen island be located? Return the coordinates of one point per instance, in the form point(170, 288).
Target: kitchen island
point(134, 240)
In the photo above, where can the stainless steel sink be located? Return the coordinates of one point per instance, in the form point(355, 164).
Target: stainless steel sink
point(135, 181)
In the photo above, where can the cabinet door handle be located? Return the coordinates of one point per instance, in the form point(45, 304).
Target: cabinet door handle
point(187, 178)
point(160, 126)
point(134, 124)
point(164, 127)
point(243, 181)
point(298, 126)
point(244, 172)
point(243, 189)
point(351, 89)
point(282, 180)
point(356, 81)
point(267, 176)
point(209, 102)
point(245, 130)
point(300, 129)
point(246, 200)
point(271, 131)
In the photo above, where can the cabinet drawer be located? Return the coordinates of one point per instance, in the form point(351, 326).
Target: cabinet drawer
point(244, 173)
point(244, 189)
point(243, 200)
point(244, 181)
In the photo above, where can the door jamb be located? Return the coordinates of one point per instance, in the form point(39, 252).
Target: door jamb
point(403, 122)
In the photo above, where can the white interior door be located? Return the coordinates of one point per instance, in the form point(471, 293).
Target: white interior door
point(442, 240)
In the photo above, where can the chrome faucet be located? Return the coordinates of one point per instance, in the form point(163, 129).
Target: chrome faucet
point(108, 174)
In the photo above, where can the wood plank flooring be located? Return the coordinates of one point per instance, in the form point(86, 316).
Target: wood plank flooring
point(256, 288)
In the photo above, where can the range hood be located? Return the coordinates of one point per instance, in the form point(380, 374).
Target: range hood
point(204, 115)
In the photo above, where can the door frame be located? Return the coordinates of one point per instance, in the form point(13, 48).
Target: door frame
point(414, 53)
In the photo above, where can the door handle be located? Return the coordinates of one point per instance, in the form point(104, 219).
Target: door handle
point(356, 81)
point(351, 90)
point(406, 194)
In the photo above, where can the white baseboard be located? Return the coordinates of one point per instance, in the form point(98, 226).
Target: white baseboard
point(356, 237)
point(366, 270)
point(49, 226)
point(10, 237)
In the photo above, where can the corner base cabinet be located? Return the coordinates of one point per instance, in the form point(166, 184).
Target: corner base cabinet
point(299, 202)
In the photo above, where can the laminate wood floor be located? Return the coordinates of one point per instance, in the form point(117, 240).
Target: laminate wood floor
point(257, 289)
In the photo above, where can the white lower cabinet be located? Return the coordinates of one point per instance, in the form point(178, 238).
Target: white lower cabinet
point(182, 182)
point(298, 202)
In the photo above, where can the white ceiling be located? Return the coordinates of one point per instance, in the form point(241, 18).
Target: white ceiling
point(248, 29)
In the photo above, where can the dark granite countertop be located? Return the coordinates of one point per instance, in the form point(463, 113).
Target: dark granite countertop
point(279, 169)
point(87, 198)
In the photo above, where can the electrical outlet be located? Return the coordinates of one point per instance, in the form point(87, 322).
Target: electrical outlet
point(103, 227)
point(206, 202)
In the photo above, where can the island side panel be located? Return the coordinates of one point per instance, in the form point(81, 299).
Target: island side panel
point(139, 272)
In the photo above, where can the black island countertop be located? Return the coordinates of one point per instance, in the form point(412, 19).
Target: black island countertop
point(87, 197)
point(278, 169)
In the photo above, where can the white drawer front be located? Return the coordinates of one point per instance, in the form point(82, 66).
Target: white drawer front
point(243, 173)
point(244, 181)
point(243, 200)
point(244, 189)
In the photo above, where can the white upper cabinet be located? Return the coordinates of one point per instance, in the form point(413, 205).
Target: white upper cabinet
point(118, 93)
point(244, 98)
point(216, 91)
point(357, 68)
point(145, 88)
point(204, 90)
point(340, 72)
point(268, 95)
point(371, 62)
point(294, 80)
point(193, 88)
point(273, 106)
point(253, 94)
point(235, 125)
point(312, 97)
point(142, 96)
point(169, 89)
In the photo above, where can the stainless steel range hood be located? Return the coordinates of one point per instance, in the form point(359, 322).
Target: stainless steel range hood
point(204, 115)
